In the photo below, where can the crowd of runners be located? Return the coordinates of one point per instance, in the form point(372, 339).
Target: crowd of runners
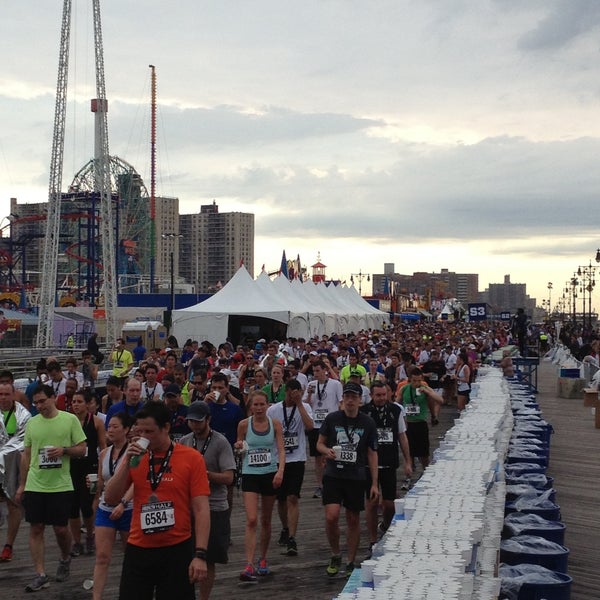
point(156, 456)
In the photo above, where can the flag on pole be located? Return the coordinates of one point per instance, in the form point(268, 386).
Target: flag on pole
point(284, 269)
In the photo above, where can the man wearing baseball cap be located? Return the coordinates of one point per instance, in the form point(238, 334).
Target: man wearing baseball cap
point(220, 465)
point(348, 440)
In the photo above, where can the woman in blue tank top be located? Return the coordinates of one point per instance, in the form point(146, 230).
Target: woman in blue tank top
point(260, 439)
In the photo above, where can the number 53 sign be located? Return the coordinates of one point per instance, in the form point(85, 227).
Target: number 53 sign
point(478, 311)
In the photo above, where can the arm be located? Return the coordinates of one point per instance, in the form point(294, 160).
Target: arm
point(197, 570)
point(373, 469)
point(224, 478)
point(278, 478)
point(241, 434)
point(306, 418)
point(101, 432)
point(121, 480)
point(403, 439)
point(76, 451)
point(323, 449)
point(432, 395)
point(25, 462)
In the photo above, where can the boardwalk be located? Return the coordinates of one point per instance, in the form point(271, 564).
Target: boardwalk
point(573, 464)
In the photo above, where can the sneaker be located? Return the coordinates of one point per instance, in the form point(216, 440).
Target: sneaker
point(333, 568)
point(318, 493)
point(64, 570)
point(292, 547)
point(349, 569)
point(263, 568)
point(434, 421)
point(77, 549)
point(90, 544)
point(407, 483)
point(248, 574)
point(283, 537)
point(7, 553)
point(40, 582)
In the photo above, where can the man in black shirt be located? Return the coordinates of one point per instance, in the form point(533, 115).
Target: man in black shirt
point(348, 441)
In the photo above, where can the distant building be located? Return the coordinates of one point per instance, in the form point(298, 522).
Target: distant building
point(213, 245)
point(507, 297)
point(433, 286)
point(166, 223)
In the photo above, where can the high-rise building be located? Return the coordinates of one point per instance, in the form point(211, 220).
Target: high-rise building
point(168, 239)
point(213, 245)
point(508, 297)
point(435, 286)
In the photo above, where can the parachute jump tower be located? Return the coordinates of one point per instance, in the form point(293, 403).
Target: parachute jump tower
point(102, 182)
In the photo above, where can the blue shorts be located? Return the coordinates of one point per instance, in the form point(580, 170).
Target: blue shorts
point(121, 524)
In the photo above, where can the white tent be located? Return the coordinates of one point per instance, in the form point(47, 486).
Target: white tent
point(267, 308)
point(210, 320)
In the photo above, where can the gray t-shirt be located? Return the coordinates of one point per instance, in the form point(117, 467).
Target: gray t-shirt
point(219, 458)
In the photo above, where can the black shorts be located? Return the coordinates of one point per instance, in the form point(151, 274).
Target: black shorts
point(387, 483)
point(163, 569)
point(49, 508)
point(218, 541)
point(313, 437)
point(259, 484)
point(417, 433)
point(349, 493)
point(293, 476)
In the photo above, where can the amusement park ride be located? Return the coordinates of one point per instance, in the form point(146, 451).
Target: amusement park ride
point(106, 201)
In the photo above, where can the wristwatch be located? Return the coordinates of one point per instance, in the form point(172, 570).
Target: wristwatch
point(200, 553)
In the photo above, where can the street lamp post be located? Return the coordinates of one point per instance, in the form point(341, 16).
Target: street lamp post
point(587, 273)
point(360, 275)
point(549, 297)
point(171, 236)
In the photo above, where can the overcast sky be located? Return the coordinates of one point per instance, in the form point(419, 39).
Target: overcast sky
point(432, 134)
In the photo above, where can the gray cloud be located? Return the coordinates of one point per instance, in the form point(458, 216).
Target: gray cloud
point(565, 21)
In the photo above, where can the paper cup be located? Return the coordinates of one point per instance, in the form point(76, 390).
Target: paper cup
point(217, 395)
point(143, 442)
point(338, 452)
point(93, 479)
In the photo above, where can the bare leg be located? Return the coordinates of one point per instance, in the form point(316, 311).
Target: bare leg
point(352, 533)
point(75, 527)
point(36, 546)
point(105, 539)
point(63, 537)
point(251, 505)
point(293, 514)
point(332, 527)
point(319, 469)
point(15, 515)
point(282, 510)
point(266, 513)
point(371, 518)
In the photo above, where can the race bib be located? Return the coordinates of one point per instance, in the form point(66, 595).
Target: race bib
point(290, 442)
point(118, 365)
point(412, 410)
point(433, 377)
point(346, 455)
point(45, 462)
point(319, 415)
point(157, 516)
point(259, 457)
point(385, 435)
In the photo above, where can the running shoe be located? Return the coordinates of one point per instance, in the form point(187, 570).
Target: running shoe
point(407, 484)
point(248, 574)
point(349, 569)
point(333, 568)
point(292, 547)
point(64, 570)
point(77, 549)
point(263, 568)
point(7, 553)
point(283, 537)
point(40, 582)
point(318, 493)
